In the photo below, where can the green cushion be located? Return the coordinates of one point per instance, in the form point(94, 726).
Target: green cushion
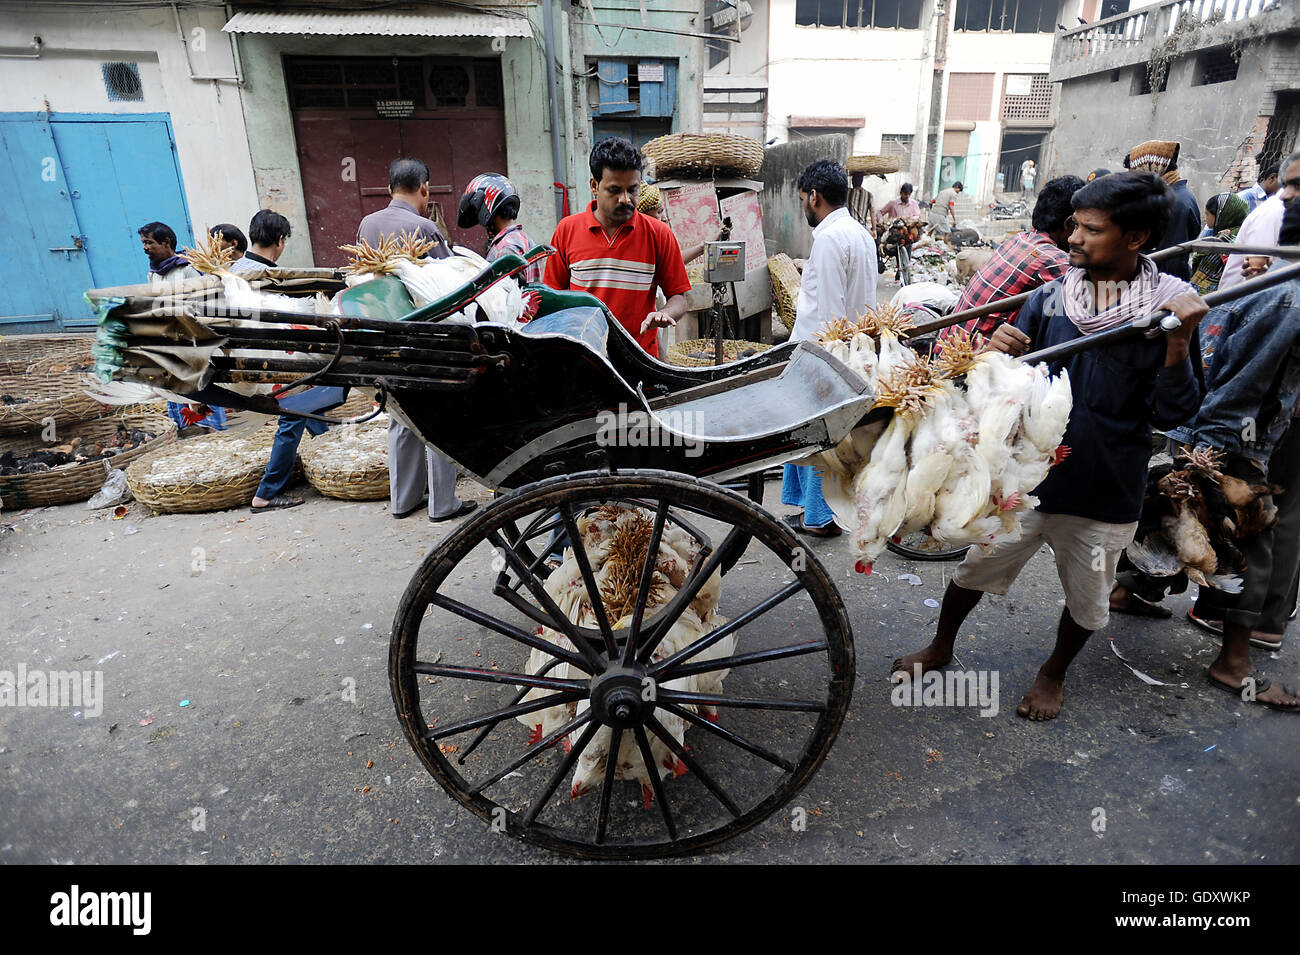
point(383, 297)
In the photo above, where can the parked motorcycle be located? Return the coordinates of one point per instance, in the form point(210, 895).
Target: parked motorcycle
point(1019, 209)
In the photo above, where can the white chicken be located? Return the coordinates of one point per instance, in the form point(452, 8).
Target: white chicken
point(431, 279)
point(615, 539)
point(838, 467)
point(932, 456)
point(880, 488)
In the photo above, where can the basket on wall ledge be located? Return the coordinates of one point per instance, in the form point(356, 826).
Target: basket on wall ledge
point(873, 165)
point(695, 154)
point(698, 352)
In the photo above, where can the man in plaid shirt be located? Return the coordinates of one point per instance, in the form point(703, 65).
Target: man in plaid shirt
point(514, 239)
point(1025, 261)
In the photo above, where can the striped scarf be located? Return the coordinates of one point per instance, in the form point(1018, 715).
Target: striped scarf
point(1148, 292)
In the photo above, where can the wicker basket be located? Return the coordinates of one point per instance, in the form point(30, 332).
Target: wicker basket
point(704, 155)
point(57, 396)
point(361, 401)
point(233, 488)
point(873, 165)
point(20, 352)
point(785, 287)
point(680, 353)
point(359, 484)
point(76, 482)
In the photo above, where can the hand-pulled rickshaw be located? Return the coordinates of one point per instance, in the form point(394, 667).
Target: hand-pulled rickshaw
point(572, 424)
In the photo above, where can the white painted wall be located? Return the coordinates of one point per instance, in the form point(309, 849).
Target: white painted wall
point(206, 117)
point(820, 71)
point(885, 76)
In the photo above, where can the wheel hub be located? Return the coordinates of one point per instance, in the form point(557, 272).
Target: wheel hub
point(622, 697)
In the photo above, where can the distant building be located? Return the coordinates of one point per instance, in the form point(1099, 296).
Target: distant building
point(1222, 77)
point(867, 68)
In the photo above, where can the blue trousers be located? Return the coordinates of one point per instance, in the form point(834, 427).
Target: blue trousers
point(284, 450)
point(802, 487)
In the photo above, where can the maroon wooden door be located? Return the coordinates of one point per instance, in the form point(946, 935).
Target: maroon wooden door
point(344, 151)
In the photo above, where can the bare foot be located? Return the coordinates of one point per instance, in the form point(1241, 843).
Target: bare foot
point(931, 658)
point(1044, 699)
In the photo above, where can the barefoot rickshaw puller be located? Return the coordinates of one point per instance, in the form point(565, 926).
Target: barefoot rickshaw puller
point(1090, 502)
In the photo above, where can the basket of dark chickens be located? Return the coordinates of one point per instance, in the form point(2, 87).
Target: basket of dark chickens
point(1194, 517)
point(37, 473)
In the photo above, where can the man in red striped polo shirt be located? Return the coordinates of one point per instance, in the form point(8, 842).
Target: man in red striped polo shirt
point(618, 254)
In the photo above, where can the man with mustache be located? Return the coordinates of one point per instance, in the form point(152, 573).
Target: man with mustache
point(618, 254)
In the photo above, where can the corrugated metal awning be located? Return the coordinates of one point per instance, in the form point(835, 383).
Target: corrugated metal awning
point(379, 24)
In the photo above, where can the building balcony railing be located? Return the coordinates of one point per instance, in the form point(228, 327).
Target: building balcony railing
point(1190, 24)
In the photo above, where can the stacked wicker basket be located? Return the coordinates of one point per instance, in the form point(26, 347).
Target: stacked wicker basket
point(43, 408)
point(786, 283)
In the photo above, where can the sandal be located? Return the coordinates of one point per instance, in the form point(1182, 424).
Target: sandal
point(1210, 626)
point(1262, 683)
point(275, 503)
point(826, 530)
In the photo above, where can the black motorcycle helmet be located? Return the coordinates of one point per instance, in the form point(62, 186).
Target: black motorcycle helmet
point(486, 197)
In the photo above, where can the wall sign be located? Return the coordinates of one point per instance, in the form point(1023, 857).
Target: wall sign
point(395, 108)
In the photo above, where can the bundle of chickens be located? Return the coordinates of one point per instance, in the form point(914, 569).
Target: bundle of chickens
point(973, 432)
point(76, 451)
point(616, 540)
point(1193, 518)
point(405, 256)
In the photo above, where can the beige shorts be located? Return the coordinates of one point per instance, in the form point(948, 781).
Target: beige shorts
point(1086, 554)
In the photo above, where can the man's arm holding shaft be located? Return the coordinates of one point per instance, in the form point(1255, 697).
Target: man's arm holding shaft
point(1178, 390)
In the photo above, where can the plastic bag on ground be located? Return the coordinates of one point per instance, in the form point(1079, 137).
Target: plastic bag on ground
point(113, 492)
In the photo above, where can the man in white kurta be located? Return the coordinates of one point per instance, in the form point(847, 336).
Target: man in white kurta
point(1260, 228)
point(839, 281)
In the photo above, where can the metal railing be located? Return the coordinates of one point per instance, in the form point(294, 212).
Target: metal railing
point(1152, 23)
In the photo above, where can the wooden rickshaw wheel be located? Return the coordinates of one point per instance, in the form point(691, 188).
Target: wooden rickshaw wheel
point(459, 679)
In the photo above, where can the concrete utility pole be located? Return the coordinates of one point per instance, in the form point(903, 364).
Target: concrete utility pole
point(935, 129)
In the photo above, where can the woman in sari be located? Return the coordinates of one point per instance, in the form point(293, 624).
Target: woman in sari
point(1224, 214)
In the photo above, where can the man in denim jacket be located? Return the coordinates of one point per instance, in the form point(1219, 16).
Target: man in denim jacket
point(1254, 381)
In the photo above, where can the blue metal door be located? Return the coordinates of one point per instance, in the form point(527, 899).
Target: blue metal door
point(123, 174)
point(44, 270)
point(111, 175)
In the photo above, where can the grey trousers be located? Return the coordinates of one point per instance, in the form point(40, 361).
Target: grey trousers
point(1284, 579)
point(412, 463)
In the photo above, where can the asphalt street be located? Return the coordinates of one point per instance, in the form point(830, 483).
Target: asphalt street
point(227, 643)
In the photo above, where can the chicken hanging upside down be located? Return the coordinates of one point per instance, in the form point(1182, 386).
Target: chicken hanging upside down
point(616, 540)
point(1192, 518)
point(974, 432)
